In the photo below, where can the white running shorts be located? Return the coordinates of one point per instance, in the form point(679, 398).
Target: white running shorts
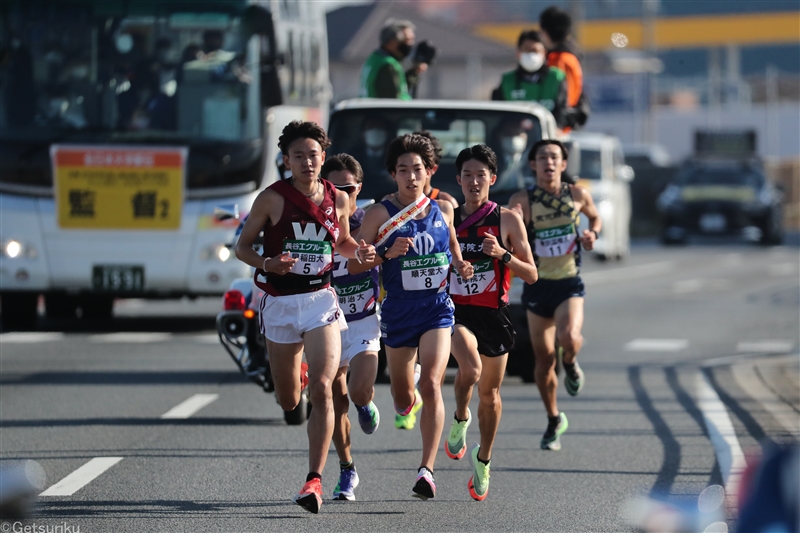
point(284, 319)
point(361, 336)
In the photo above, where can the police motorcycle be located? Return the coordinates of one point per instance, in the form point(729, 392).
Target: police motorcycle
point(239, 332)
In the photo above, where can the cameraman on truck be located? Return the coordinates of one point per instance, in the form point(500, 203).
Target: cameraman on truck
point(382, 75)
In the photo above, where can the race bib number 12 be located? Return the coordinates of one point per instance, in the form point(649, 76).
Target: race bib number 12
point(482, 281)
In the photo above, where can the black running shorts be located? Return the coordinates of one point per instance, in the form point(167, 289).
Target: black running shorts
point(492, 328)
point(545, 295)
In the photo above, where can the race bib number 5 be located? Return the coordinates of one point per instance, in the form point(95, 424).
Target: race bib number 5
point(482, 281)
point(314, 257)
point(553, 242)
point(424, 272)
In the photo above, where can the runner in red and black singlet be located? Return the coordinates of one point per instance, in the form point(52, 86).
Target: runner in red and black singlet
point(494, 240)
point(303, 220)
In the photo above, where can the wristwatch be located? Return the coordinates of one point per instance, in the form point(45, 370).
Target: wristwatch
point(382, 255)
point(506, 257)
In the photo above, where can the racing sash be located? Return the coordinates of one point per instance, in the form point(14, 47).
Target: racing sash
point(400, 219)
point(301, 201)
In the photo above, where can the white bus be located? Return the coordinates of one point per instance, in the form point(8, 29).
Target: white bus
point(123, 124)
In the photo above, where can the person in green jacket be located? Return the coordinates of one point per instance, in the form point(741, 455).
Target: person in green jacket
point(382, 75)
point(533, 80)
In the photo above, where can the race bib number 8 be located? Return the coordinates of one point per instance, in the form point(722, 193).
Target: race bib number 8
point(424, 272)
point(482, 281)
point(356, 297)
point(314, 257)
point(553, 242)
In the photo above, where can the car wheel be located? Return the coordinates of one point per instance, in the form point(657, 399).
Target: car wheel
point(60, 305)
point(97, 307)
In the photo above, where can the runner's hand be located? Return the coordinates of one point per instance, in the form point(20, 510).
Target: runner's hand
point(518, 208)
point(400, 247)
point(464, 269)
point(587, 241)
point(491, 247)
point(365, 251)
point(280, 264)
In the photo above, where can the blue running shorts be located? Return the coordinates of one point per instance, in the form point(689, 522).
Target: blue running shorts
point(403, 322)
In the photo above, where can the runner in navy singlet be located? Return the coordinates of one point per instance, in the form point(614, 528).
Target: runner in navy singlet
point(304, 220)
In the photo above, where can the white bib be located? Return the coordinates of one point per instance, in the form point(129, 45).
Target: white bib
point(314, 257)
point(424, 272)
point(482, 281)
point(555, 242)
point(356, 297)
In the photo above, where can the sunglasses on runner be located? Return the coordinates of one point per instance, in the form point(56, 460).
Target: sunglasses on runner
point(349, 188)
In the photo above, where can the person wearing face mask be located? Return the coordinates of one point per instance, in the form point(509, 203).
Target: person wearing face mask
point(382, 75)
point(533, 80)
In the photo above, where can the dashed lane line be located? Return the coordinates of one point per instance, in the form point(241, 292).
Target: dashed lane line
point(81, 477)
point(19, 337)
point(137, 337)
point(657, 345)
point(190, 406)
point(627, 273)
point(768, 346)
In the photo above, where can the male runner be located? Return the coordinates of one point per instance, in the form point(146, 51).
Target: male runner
point(358, 300)
point(415, 237)
point(487, 234)
point(304, 219)
point(551, 210)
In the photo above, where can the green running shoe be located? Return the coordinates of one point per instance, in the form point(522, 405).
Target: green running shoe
point(456, 444)
point(479, 482)
point(552, 437)
point(410, 420)
point(574, 379)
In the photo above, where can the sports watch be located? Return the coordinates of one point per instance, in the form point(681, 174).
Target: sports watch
point(506, 257)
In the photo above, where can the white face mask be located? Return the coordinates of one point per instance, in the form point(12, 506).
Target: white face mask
point(514, 145)
point(531, 61)
point(375, 138)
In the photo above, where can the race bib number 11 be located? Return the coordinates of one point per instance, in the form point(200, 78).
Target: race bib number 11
point(553, 242)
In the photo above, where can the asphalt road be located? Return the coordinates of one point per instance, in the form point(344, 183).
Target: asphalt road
point(678, 341)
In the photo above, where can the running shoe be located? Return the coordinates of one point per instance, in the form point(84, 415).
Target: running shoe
point(310, 497)
point(348, 481)
point(369, 418)
point(552, 437)
point(574, 379)
point(424, 488)
point(479, 482)
point(409, 421)
point(303, 375)
point(456, 444)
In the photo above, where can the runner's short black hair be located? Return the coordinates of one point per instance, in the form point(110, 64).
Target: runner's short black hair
point(297, 129)
point(479, 152)
point(410, 143)
point(528, 35)
point(556, 22)
point(545, 142)
point(342, 162)
point(437, 146)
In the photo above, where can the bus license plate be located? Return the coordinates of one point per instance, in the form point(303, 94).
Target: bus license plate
point(118, 278)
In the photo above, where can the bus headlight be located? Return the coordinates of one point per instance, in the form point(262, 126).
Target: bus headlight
point(14, 249)
point(220, 252)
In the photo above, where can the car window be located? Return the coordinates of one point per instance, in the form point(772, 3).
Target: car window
point(591, 164)
point(721, 176)
point(365, 134)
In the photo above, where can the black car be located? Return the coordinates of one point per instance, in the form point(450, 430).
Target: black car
point(721, 197)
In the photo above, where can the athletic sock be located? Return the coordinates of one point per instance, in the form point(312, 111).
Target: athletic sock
point(347, 466)
point(408, 409)
point(312, 475)
point(486, 462)
point(458, 419)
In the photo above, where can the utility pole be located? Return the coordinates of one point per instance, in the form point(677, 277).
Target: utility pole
point(650, 10)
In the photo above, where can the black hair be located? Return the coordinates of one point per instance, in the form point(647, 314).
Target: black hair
point(545, 142)
point(556, 22)
point(479, 152)
point(297, 129)
point(410, 143)
point(437, 146)
point(528, 35)
point(342, 162)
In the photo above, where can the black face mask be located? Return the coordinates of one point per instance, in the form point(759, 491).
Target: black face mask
point(404, 49)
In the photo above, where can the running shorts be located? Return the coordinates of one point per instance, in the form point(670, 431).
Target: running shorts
point(403, 322)
point(542, 297)
point(492, 328)
point(360, 336)
point(284, 319)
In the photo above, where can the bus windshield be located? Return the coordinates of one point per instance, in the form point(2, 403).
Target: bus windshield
point(122, 73)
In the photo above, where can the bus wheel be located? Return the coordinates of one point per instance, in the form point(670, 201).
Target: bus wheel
point(97, 307)
point(18, 310)
point(60, 305)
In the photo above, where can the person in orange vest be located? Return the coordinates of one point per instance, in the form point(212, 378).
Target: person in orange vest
point(556, 27)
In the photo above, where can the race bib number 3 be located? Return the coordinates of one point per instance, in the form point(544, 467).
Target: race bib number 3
point(424, 272)
point(314, 257)
point(356, 297)
point(553, 242)
point(482, 281)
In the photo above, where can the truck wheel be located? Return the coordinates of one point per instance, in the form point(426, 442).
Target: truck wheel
point(97, 307)
point(60, 305)
point(18, 310)
point(298, 415)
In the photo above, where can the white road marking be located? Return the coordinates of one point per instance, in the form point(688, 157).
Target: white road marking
point(771, 346)
point(19, 337)
point(189, 407)
point(657, 345)
point(210, 338)
point(687, 285)
point(782, 269)
point(134, 337)
point(751, 384)
point(81, 477)
point(723, 437)
point(627, 273)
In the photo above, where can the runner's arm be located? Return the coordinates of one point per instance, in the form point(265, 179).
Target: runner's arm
point(464, 268)
point(374, 218)
point(588, 208)
point(260, 213)
point(521, 264)
point(519, 203)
